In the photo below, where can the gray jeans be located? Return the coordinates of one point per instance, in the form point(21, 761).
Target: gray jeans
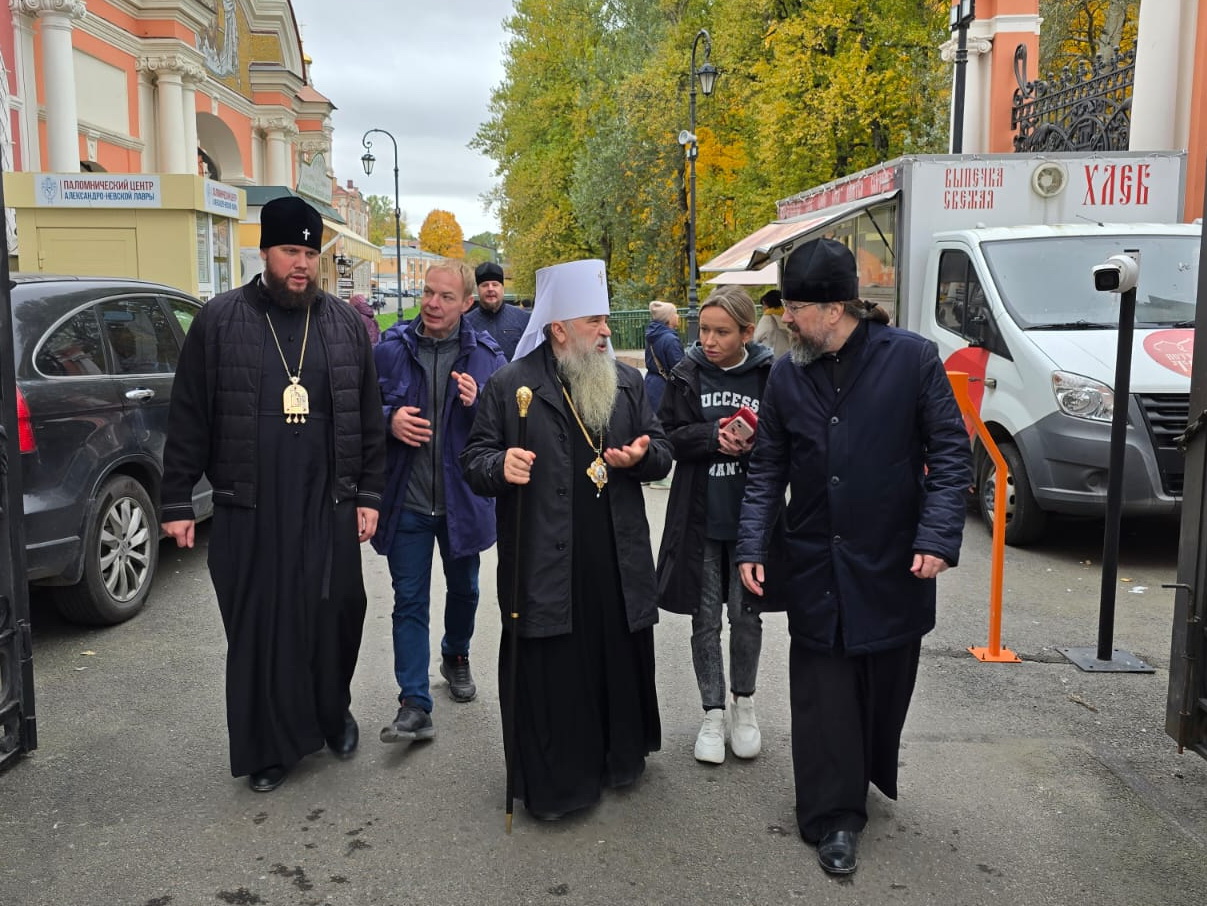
point(745, 630)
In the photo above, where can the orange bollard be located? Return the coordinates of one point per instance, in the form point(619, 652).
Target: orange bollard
point(993, 652)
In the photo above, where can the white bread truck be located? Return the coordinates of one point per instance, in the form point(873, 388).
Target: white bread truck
point(991, 257)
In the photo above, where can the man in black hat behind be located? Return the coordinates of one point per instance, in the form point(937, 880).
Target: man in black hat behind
point(276, 402)
point(860, 420)
point(505, 323)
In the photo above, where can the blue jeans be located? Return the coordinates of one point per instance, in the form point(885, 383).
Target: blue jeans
point(410, 559)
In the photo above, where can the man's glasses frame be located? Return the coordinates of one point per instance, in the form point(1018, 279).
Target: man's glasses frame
point(795, 307)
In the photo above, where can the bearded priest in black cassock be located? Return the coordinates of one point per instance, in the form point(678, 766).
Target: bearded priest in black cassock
point(586, 710)
point(276, 402)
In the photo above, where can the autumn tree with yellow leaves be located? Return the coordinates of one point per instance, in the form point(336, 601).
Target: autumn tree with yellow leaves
point(442, 235)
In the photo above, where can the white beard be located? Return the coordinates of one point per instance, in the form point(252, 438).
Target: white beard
point(592, 379)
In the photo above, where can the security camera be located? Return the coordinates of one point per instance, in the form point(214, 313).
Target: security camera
point(1117, 274)
point(686, 138)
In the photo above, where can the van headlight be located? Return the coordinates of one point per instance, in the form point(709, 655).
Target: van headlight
point(1083, 397)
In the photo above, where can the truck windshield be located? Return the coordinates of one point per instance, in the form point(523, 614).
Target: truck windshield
point(1046, 284)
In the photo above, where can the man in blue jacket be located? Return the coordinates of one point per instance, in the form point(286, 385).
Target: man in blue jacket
point(431, 371)
point(860, 421)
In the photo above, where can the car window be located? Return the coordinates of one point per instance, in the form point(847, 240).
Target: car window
point(183, 311)
point(139, 335)
point(74, 348)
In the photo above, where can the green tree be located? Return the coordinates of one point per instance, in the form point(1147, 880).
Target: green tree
point(482, 247)
point(1076, 31)
point(381, 220)
point(441, 235)
point(553, 83)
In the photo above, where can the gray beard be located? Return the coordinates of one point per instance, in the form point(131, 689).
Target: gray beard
point(286, 298)
point(592, 379)
point(804, 351)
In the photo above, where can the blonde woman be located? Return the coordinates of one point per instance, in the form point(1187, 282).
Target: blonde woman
point(697, 572)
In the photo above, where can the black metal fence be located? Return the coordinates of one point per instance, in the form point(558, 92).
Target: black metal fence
point(1084, 108)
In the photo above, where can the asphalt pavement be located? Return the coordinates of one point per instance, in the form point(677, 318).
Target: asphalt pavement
point(1034, 782)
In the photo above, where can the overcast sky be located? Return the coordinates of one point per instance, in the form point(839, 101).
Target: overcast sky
point(423, 71)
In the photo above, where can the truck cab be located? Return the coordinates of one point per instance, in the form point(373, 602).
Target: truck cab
point(1016, 308)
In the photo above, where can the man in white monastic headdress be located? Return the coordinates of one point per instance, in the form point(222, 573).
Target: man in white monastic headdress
point(585, 711)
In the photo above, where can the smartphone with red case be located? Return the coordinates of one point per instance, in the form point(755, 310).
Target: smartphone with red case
point(742, 423)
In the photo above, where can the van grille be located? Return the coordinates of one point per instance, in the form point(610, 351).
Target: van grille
point(1167, 415)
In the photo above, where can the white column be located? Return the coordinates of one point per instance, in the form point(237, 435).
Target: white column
point(258, 168)
point(27, 117)
point(1159, 52)
point(278, 149)
point(192, 78)
point(169, 110)
point(976, 89)
point(278, 158)
point(146, 121)
point(58, 79)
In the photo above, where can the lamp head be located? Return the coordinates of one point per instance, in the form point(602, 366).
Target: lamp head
point(367, 161)
point(707, 74)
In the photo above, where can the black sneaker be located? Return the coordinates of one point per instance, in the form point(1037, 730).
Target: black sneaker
point(460, 681)
point(411, 723)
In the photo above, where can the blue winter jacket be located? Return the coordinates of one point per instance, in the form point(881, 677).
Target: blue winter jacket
point(664, 343)
point(471, 519)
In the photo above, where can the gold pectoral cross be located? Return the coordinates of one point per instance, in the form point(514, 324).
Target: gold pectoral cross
point(296, 402)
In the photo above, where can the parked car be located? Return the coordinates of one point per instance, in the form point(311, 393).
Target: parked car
point(95, 359)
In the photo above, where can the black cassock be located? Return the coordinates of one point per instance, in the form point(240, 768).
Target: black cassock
point(588, 707)
point(287, 574)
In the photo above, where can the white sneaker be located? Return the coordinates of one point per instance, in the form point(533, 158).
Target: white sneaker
point(745, 738)
point(710, 741)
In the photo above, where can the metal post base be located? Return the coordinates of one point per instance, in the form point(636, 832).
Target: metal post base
point(1120, 662)
point(1001, 656)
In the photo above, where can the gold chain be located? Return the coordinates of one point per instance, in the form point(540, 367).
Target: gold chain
point(295, 378)
point(573, 411)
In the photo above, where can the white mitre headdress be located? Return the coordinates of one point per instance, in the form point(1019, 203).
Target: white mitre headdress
point(576, 289)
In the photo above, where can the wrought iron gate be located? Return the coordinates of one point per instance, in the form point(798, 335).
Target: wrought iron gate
point(1084, 108)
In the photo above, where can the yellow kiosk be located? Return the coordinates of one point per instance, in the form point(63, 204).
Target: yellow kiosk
point(176, 229)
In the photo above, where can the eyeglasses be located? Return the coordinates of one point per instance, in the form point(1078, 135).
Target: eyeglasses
point(794, 307)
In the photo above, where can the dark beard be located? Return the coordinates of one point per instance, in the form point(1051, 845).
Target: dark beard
point(284, 297)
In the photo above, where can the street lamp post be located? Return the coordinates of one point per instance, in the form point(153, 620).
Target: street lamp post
point(367, 160)
point(962, 14)
point(707, 74)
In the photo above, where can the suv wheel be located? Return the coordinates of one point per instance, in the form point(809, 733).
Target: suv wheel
point(121, 551)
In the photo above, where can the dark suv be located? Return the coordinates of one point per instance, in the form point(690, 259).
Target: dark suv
point(95, 358)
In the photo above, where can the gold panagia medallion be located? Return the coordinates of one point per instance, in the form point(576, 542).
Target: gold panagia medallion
point(296, 402)
point(598, 473)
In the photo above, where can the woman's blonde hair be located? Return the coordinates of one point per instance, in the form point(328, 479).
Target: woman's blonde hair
point(735, 302)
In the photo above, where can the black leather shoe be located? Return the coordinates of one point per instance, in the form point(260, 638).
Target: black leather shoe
point(836, 852)
point(343, 744)
point(267, 779)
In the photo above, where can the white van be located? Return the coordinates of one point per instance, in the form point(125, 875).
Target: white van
point(991, 257)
